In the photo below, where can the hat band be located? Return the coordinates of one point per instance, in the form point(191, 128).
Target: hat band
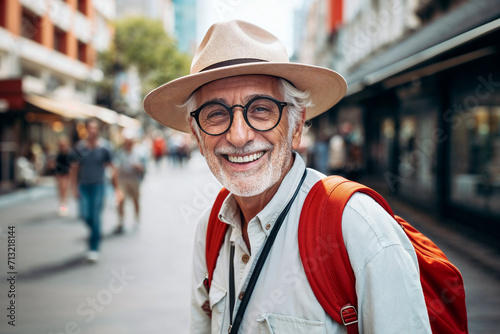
point(232, 62)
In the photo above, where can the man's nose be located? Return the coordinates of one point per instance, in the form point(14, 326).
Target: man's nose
point(240, 132)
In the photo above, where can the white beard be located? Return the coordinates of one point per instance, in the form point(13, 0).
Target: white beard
point(256, 181)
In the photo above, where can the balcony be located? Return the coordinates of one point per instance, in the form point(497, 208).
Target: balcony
point(61, 15)
point(82, 27)
point(38, 7)
point(50, 59)
point(106, 8)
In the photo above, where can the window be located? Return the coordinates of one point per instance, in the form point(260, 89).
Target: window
point(475, 160)
point(82, 52)
point(60, 43)
point(82, 6)
point(31, 26)
point(3, 13)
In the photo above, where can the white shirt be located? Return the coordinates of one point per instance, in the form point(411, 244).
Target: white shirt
point(390, 297)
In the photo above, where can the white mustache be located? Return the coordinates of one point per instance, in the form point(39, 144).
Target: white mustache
point(249, 148)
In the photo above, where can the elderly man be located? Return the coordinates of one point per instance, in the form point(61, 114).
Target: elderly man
point(246, 105)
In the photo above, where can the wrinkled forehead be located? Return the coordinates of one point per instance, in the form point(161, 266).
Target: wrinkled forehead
point(237, 89)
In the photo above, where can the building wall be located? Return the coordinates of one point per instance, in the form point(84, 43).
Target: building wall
point(55, 43)
point(48, 49)
point(185, 25)
point(430, 128)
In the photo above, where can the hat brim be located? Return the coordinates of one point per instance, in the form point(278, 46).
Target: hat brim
point(326, 88)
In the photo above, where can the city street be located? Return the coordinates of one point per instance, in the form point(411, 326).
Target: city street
point(141, 282)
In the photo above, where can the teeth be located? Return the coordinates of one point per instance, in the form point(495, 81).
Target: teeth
point(246, 158)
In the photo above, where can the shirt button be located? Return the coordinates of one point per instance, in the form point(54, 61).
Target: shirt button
point(268, 226)
point(245, 258)
point(240, 297)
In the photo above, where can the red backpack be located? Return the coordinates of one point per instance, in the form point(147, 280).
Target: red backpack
point(320, 225)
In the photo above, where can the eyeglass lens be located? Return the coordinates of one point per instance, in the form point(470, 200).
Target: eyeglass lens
point(262, 114)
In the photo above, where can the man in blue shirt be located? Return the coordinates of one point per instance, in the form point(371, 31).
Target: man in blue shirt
point(90, 158)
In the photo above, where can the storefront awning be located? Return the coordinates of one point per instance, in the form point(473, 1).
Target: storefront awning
point(65, 109)
point(79, 110)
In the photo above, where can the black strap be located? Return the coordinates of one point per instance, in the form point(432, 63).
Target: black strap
point(234, 327)
point(231, 285)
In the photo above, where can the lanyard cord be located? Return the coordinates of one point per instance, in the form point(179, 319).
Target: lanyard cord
point(234, 327)
point(231, 288)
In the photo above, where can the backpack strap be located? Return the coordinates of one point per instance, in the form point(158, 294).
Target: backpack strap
point(216, 232)
point(322, 249)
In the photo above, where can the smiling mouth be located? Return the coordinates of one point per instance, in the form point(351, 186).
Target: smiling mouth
point(245, 158)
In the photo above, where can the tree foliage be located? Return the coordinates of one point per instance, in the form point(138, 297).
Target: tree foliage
point(143, 43)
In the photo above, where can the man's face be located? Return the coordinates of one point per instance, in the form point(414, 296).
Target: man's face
point(128, 144)
point(267, 154)
point(92, 130)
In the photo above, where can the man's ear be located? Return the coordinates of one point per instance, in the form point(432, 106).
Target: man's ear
point(297, 134)
point(195, 135)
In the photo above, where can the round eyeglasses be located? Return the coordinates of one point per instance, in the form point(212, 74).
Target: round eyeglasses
point(261, 113)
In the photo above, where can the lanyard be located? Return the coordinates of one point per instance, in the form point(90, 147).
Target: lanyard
point(234, 327)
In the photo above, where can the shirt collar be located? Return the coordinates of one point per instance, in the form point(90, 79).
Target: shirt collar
point(230, 211)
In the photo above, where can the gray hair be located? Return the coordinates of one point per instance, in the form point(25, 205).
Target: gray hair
point(297, 102)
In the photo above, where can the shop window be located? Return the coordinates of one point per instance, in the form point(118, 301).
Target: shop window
point(416, 161)
point(31, 26)
point(475, 160)
point(3, 13)
point(383, 150)
point(60, 43)
point(82, 52)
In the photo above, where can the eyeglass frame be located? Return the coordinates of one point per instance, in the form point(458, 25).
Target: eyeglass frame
point(280, 104)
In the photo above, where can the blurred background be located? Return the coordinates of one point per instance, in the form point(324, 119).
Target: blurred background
point(420, 124)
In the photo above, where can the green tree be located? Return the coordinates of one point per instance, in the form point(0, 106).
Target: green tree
point(143, 43)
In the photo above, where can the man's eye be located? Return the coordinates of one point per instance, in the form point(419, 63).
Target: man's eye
point(216, 113)
point(261, 109)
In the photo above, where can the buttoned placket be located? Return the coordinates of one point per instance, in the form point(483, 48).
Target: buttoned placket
point(257, 239)
point(245, 269)
point(257, 235)
point(258, 229)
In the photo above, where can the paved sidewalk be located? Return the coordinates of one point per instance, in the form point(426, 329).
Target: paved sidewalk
point(46, 188)
point(141, 283)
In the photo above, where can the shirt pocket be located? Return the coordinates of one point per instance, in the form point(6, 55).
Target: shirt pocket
point(218, 300)
point(271, 323)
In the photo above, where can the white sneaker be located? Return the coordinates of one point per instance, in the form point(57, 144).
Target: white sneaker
point(63, 211)
point(92, 256)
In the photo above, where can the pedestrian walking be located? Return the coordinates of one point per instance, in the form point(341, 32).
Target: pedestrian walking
point(336, 154)
point(61, 166)
point(130, 164)
point(246, 105)
point(159, 148)
point(89, 159)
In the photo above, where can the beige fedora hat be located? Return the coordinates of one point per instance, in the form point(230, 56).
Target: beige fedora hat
point(241, 48)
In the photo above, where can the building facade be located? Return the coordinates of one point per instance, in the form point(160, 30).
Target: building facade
point(48, 75)
point(424, 94)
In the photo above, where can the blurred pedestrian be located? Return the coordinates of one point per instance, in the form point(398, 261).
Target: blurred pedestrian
point(159, 147)
point(61, 166)
point(89, 159)
point(336, 155)
point(130, 164)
